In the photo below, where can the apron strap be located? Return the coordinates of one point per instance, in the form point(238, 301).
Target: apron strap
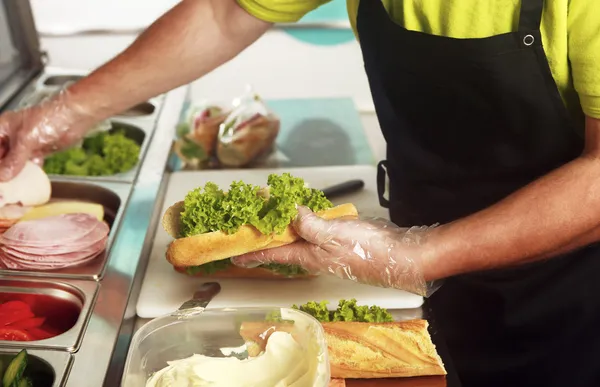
point(531, 15)
point(381, 180)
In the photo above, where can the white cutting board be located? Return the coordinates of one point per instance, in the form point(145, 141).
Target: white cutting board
point(164, 290)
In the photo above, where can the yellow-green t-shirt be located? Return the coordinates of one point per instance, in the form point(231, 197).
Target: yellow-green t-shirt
point(570, 32)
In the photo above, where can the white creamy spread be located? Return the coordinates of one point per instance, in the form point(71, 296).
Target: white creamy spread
point(284, 363)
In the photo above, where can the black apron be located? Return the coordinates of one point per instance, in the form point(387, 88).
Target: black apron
point(467, 122)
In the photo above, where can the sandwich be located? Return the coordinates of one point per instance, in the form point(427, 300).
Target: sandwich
point(211, 226)
point(30, 188)
point(363, 342)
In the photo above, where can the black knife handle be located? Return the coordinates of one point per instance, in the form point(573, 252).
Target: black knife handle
point(344, 188)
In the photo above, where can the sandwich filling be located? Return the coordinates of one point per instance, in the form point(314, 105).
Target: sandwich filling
point(347, 310)
point(270, 210)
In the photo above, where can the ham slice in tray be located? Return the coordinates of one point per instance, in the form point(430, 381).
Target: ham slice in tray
point(53, 243)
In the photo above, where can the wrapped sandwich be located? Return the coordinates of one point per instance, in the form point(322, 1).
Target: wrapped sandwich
point(211, 226)
point(248, 133)
point(363, 342)
point(197, 135)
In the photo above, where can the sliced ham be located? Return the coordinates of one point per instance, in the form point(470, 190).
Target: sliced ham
point(95, 235)
point(52, 256)
point(52, 231)
point(53, 243)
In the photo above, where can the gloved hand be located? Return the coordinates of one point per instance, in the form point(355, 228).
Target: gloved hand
point(34, 132)
point(374, 252)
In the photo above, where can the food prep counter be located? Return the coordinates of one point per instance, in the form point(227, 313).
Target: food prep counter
point(100, 299)
point(90, 311)
point(88, 305)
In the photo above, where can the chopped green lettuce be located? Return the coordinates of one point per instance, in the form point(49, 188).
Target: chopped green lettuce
point(347, 310)
point(209, 208)
point(105, 153)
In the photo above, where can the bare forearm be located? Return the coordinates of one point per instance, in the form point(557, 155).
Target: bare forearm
point(190, 40)
point(553, 215)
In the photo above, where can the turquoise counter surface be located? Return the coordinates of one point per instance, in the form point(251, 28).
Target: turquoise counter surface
point(324, 131)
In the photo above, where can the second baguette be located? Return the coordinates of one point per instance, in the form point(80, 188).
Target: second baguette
point(364, 350)
point(214, 246)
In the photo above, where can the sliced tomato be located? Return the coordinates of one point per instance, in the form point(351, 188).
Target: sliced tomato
point(40, 334)
point(14, 305)
point(11, 334)
point(14, 316)
point(29, 323)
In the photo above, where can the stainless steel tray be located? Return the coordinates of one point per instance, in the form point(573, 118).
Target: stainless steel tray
point(113, 196)
point(141, 133)
point(54, 364)
point(54, 78)
point(68, 296)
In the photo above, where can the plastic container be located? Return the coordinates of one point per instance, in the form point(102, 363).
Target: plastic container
point(216, 333)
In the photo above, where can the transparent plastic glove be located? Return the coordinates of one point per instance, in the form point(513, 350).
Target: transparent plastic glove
point(34, 132)
point(374, 252)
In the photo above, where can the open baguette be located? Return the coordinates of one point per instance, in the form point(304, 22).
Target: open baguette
point(215, 246)
point(364, 350)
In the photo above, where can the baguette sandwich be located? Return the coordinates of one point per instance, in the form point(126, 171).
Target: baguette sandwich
point(210, 226)
point(363, 342)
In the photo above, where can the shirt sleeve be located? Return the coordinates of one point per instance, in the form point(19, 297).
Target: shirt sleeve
point(584, 53)
point(280, 11)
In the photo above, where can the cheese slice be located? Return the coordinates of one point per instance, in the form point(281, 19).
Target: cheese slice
point(65, 207)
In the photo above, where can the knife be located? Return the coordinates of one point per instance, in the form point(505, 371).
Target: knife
point(344, 188)
point(200, 300)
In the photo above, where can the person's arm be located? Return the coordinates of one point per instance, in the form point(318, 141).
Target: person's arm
point(555, 214)
point(190, 40)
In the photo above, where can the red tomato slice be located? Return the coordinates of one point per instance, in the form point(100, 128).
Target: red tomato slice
point(14, 305)
point(40, 334)
point(30, 323)
point(10, 334)
point(14, 316)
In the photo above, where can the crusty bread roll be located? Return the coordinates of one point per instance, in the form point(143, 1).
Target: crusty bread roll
point(337, 383)
point(215, 246)
point(240, 272)
point(365, 350)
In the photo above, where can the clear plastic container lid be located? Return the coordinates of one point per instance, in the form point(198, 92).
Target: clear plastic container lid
point(225, 333)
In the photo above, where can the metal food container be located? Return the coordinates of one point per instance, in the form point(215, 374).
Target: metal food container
point(65, 304)
point(113, 197)
point(215, 333)
point(49, 368)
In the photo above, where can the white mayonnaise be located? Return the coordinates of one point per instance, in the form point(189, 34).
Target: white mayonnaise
point(284, 363)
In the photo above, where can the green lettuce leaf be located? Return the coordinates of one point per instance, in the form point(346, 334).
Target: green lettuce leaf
point(208, 208)
point(347, 310)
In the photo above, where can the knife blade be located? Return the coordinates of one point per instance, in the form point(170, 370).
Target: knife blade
point(344, 188)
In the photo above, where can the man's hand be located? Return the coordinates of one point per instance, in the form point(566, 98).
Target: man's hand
point(374, 252)
point(35, 132)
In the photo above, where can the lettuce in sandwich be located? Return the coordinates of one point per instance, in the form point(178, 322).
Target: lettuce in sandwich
point(270, 210)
